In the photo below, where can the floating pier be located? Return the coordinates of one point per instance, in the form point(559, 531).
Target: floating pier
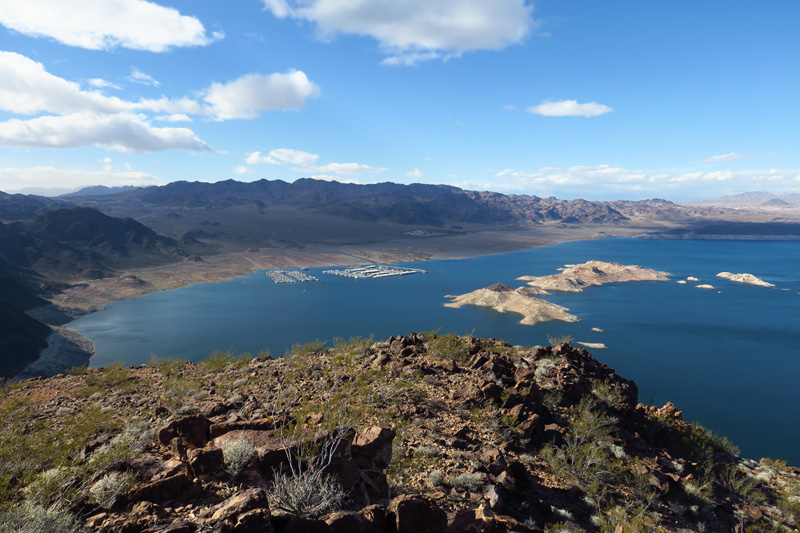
point(374, 271)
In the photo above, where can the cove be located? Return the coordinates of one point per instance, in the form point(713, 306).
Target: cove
point(729, 358)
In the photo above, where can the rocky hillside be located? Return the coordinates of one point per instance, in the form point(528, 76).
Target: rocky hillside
point(422, 433)
point(420, 204)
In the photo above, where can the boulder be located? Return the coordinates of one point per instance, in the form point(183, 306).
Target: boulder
point(349, 522)
point(229, 511)
point(162, 490)
point(375, 445)
point(415, 514)
point(205, 461)
point(193, 429)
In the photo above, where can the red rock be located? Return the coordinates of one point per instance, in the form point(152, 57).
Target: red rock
point(193, 429)
point(205, 461)
point(374, 444)
point(349, 522)
point(415, 514)
point(162, 490)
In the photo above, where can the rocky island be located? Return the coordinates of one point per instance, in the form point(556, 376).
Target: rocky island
point(749, 279)
point(503, 298)
point(420, 433)
point(575, 278)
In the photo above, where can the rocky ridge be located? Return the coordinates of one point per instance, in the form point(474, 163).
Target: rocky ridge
point(749, 279)
point(422, 433)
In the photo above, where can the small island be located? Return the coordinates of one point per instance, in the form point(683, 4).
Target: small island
point(574, 278)
point(504, 299)
point(749, 279)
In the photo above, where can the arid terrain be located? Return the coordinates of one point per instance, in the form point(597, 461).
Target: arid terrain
point(418, 433)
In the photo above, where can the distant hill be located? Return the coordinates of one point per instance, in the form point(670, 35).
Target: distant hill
point(99, 190)
point(417, 204)
point(14, 207)
point(757, 198)
point(83, 242)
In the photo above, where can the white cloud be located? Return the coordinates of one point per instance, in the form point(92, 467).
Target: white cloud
point(600, 179)
point(252, 94)
point(307, 162)
point(12, 179)
point(509, 107)
point(174, 117)
point(100, 83)
point(28, 88)
point(416, 174)
point(241, 169)
point(137, 76)
point(343, 169)
point(257, 159)
point(733, 156)
point(410, 31)
point(569, 108)
point(105, 24)
point(122, 132)
point(293, 157)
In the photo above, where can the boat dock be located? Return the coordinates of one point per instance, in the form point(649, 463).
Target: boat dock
point(374, 271)
point(289, 276)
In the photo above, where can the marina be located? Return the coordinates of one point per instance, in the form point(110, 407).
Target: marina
point(289, 276)
point(374, 271)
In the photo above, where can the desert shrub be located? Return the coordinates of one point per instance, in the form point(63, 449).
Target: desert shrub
point(449, 346)
point(435, 479)
point(558, 339)
point(237, 453)
point(584, 458)
point(113, 377)
point(33, 518)
point(50, 486)
point(310, 493)
point(168, 366)
point(218, 361)
point(468, 482)
point(107, 490)
point(304, 350)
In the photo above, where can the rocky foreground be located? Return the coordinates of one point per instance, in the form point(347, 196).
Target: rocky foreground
point(422, 433)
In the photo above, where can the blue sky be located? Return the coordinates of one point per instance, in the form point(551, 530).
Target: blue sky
point(570, 98)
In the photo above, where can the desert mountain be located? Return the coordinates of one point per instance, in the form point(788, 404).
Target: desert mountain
point(83, 242)
point(99, 190)
point(755, 198)
point(434, 205)
point(15, 207)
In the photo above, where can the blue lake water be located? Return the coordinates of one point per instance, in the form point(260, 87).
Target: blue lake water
point(729, 358)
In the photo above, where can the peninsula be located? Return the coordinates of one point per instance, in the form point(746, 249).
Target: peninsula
point(503, 298)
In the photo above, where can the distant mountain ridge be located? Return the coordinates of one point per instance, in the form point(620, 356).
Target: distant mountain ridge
point(756, 198)
point(99, 190)
point(421, 204)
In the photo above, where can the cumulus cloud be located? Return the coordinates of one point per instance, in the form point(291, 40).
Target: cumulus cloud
point(12, 179)
point(106, 24)
point(174, 117)
point(28, 89)
point(599, 179)
point(122, 132)
point(569, 108)
point(241, 169)
point(733, 156)
point(416, 174)
point(252, 94)
point(307, 162)
point(410, 31)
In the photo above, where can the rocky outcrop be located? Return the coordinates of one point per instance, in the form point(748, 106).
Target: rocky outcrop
point(749, 279)
point(444, 434)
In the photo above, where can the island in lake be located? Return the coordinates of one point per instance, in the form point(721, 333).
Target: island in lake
point(573, 278)
point(503, 298)
point(749, 279)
